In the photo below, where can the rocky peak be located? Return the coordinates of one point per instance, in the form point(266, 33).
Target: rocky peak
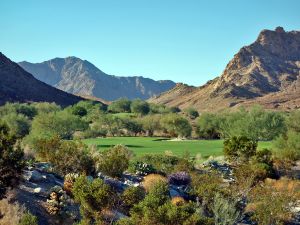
point(269, 64)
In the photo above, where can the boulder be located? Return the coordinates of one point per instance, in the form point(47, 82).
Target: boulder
point(33, 176)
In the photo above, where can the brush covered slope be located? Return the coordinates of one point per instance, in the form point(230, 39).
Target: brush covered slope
point(17, 85)
point(266, 72)
point(82, 78)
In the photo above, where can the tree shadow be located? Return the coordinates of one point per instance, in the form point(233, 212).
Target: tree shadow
point(161, 139)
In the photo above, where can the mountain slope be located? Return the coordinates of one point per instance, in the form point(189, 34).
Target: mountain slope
point(17, 85)
point(271, 64)
point(80, 77)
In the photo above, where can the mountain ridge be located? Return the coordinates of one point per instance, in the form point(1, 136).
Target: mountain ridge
point(17, 85)
point(269, 65)
point(77, 76)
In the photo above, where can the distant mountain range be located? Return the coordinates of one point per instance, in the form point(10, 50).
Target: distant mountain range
point(17, 85)
point(266, 72)
point(80, 77)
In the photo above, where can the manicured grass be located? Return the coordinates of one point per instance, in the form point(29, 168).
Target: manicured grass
point(125, 115)
point(146, 145)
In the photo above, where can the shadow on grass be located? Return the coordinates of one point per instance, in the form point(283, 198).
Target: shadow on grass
point(161, 139)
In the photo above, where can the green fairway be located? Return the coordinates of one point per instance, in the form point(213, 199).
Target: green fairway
point(146, 145)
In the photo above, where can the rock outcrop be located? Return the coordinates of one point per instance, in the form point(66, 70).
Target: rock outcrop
point(270, 65)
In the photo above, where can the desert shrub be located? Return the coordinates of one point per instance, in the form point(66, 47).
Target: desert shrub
point(288, 146)
point(239, 148)
point(276, 198)
point(120, 105)
point(179, 178)
point(11, 160)
point(46, 107)
point(27, 110)
point(186, 163)
point(79, 111)
point(151, 180)
point(208, 126)
point(112, 125)
point(13, 213)
point(205, 187)
point(257, 124)
point(93, 196)
point(65, 156)
point(161, 163)
point(140, 107)
point(226, 211)
point(157, 209)
point(151, 123)
point(263, 156)
point(114, 161)
point(28, 219)
point(158, 108)
point(192, 113)
point(176, 125)
point(293, 121)
point(133, 127)
point(132, 196)
point(141, 168)
point(18, 124)
point(175, 109)
point(60, 123)
point(249, 174)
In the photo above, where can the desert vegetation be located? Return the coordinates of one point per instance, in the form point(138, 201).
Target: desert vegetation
point(112, 183)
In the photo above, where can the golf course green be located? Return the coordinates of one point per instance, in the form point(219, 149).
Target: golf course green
point(153, 145)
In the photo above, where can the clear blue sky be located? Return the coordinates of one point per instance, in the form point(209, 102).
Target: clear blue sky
point(186, 41)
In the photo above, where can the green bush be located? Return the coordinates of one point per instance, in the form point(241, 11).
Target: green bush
point(256, 124)
point(226, 211)
point(79, 111)
point(140, 107)
point(65, 156)
point(288, 147)
point(61, 123)
point(27, 110)
point(239, 148)
point(18, 124)
point(208, 126)
point(46, 107)
point(176, 125)
point(156, 208)
point(114, 161)
point(151, 124)
point(205, 187)
point(164, 163)
point(132, 196)
point(192, 113)
point(93, 197)
point(120, 105)
point(11, 160)
point(28, 219)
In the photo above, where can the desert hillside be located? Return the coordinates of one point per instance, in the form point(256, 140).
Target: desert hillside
point(265, 72)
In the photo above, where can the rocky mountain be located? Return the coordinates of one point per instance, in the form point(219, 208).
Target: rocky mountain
point(17, 85)
point(80, 77)
point(259, 73)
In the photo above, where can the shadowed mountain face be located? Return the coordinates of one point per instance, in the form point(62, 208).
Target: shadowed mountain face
point(270, 65)
point(80, 77)
point(17, 85)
